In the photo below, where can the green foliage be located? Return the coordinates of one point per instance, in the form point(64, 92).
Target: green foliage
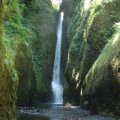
point(14, 21)
point(13, 28)
point(102, 80)
point(42, 17)
point(13, 32)
point(14, 75)
point(88, 32)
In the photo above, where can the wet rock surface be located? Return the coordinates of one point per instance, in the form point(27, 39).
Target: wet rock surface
point(58, 113)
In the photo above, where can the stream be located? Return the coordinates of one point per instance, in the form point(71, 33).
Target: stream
point(58, 113)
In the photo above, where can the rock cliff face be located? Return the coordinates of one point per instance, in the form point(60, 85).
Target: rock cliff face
point(70, 5)
point(27, 82)
point(102, 83)
point(42, 19)
point(11, 29)
point(26, 53)
point(89, 31)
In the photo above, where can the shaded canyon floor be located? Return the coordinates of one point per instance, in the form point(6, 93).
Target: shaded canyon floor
point(58, 113)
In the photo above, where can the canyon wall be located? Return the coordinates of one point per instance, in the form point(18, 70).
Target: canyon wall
point(89, 31)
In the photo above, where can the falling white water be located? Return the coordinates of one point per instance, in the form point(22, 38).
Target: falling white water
point(57, 88)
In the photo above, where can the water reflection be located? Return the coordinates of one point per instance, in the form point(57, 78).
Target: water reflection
point(55, 119)
point(35, 117)
point(32, 117)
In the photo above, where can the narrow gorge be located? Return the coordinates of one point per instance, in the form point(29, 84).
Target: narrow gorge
point(59, 59)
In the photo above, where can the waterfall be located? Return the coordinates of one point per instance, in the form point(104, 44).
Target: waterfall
point(57, 88)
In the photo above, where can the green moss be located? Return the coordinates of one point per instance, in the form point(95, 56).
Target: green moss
point(12, 33)
point(88, 32)
point(24, 65)
point(8, 80)
point(42, 19)
point(103, 77)
point(70, 5)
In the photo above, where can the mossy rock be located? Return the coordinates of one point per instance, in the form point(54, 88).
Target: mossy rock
point(102, 82)
point(12, 32)
point(88, 32)
point(42, 19)
point(27, 83)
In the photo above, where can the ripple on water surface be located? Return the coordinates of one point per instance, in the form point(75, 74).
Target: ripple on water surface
point(32, 117)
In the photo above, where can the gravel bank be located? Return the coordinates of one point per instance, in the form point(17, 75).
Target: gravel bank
point(61, 113)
